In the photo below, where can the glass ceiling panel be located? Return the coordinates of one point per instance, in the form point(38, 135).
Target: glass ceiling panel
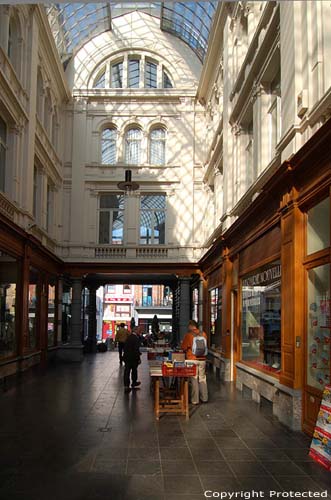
point(73, 24)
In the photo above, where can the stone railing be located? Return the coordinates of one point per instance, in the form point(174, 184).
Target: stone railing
point(110, 252)
point(6, 207)
point(152, 252)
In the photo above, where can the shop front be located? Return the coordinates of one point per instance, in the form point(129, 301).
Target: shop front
point(318, 310)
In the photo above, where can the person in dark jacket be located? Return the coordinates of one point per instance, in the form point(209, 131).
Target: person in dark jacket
point(132, 360)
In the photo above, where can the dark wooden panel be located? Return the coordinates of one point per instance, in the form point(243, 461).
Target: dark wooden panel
point(261, 250)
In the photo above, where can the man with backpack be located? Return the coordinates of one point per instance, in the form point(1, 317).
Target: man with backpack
point(195, 347)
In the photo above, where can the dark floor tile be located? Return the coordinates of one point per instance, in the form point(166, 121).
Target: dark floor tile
point(146, 468)
point(180, 484)
point(216, 483)
point(144, 453)
point(260, 483)
point(175, 453)
point(172, 441)
point(241, 455)
point(143, 486)
point(227, 433)
point(265, 444)
point(110, 466)
point(297, 454)
point(203, 454)
point(220, 469)
point(273, 455)
point(175, 467)
point(230, 443)
point(201, 443)
point(283, 469)
point(298, 483)
point(241, 468)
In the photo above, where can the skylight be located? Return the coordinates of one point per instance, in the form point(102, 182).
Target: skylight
point(73, 24)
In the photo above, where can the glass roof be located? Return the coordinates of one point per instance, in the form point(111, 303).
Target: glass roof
point(73, 24)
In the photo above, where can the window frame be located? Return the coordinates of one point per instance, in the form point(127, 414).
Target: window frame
point(152, 238)
point(111, 211)
point(162, 141)
point(110, 141)
point(128, 143)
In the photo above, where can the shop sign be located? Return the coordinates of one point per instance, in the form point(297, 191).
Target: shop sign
point(110, 298)
point(264, 276)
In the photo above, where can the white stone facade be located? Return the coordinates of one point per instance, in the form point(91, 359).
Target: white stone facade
point(263, 91)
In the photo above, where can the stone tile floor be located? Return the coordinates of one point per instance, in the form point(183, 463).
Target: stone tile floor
point(72, 434)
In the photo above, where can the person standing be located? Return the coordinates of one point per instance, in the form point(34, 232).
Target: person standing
point(121, 338)
point(132, 360)
point(195, 347)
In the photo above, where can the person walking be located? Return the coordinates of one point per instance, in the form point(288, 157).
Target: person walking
point(132, 360)
point(195, 347)
point(121, 337)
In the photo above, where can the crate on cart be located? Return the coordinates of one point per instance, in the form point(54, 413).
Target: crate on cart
point(179, 371)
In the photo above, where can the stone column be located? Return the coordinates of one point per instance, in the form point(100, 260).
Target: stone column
point(201, 299)
point(92, 320)
point(184, 306)
point(73, 351)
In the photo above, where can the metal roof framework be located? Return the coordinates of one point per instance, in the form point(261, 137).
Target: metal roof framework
point(73, 24)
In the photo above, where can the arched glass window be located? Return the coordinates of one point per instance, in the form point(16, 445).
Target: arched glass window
point(109, 146)
point(100, 80)
point(166, 81)
point(133, 146)
point(116, 75)
point(150, 75)
point(157, 146)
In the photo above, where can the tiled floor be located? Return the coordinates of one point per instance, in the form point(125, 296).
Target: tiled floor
point(72, 434)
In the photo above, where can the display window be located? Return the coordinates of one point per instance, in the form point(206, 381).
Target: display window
point(8, 290)
point(318, 345)
point(51, 312)
point(215, 301)
point(261, 318)
point(195, 304)
point(33, 309)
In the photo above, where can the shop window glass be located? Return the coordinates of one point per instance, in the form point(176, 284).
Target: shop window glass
point(147, 295)
point(318, 227)
point(261, 318)
point(195, 304)
point(117, 75)
point(109, 146)
point(33, 302)
point(215, 300)
point(51, 312)
point(111, 224)
point(8, 287)
point(319, 324)
point(66, 314)
point(3, 148)
point(152, 219)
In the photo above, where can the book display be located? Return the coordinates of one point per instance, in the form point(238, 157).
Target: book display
point(320, 449)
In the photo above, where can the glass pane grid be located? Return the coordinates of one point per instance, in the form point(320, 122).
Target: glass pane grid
point(73, 24)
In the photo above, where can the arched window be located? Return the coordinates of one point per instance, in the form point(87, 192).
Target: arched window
point(100, 80)
point(47, 112)
point(116, 75)
point(109, 146)
point(3, 149)
point(40, 95)
point(157, 144)
point(13, 44)
point(166, 81)
point(54, 129)
point(133, 139)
